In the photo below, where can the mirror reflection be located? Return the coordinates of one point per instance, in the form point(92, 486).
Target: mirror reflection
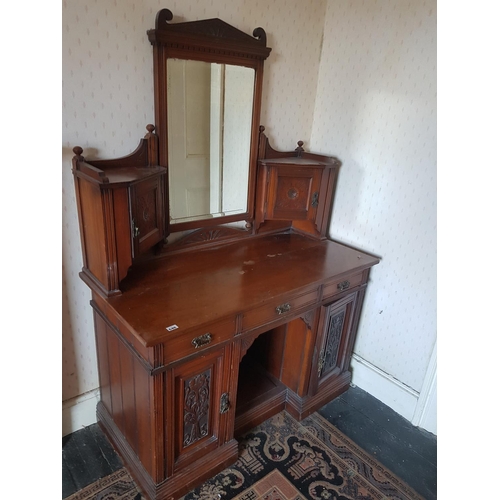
point(209, 131)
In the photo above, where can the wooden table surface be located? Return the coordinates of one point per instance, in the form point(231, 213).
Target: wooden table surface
point(200, 287)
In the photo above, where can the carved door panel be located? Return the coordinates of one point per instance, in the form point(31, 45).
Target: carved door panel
point(334, 342)
point(201, 406)
point(293, 192)
point(147, 213)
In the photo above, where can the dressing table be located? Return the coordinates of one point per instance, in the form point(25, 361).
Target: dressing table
point(218, 300)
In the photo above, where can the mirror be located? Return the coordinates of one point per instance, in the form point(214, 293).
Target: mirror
point(208, 91)
point(210, 109)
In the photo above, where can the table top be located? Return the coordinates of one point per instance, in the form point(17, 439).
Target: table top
point(200, 287)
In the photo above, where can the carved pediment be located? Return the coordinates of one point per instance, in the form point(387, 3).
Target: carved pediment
point(213, 30)
point(208, 27)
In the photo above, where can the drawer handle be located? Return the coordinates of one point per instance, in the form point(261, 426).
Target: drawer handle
point(283, 308)
point(202, 340)
point(343, 286)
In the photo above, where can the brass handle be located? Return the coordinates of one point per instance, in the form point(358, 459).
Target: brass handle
point(315, 200)
point(321, 361)
point(202, 340)
point(135, 229)
point(343, 286)
point(283, 308)
point(224, 403)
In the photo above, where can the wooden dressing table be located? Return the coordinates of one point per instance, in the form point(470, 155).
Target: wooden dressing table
point(202, 339)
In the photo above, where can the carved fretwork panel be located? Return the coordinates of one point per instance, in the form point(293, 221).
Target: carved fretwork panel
point(335, 340)
point(199, 385)
point(330, 351)
point(196, 407)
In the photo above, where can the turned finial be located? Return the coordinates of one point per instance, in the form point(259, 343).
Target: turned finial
point(299, 150)
point(150, 128)
point(78, 151)
point(261, 128)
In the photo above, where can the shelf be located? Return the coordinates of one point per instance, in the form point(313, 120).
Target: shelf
point(260, 395)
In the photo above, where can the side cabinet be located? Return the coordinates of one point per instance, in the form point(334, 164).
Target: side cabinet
point(294, 189)
point(122, 216)
point(335, 340)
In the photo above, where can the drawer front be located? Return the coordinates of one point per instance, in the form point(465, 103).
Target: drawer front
point(337, 286)
point(198, 340)
point(280, 309)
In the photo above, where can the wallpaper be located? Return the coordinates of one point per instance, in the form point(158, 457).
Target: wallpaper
point(107, 102)
point(376, 110)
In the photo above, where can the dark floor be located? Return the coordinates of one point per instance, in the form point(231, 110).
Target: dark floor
point(409, 452)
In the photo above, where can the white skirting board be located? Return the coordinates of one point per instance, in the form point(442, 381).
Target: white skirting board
point(418, 408)
point(426, 411)
point(79, 412)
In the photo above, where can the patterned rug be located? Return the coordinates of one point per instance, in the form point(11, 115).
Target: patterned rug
point(282, 459)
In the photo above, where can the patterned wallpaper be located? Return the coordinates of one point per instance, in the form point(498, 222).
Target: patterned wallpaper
point(376, 110)
point(108, 100)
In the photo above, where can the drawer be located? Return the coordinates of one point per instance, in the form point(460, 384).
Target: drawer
point(198, 340)
point(337, 286)
point(281, 308)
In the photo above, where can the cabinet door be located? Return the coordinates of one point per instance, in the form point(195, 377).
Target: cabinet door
point(200, 406)
point(147, 207)
point(335, 340)
point(293, 193)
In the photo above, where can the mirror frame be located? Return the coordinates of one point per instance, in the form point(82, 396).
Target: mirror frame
point(214, 41)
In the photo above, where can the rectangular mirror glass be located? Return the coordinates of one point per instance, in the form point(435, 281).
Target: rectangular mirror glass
point(209, 130)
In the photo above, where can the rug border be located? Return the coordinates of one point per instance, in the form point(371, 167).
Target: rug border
point(105, 482)
point(365, 456)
